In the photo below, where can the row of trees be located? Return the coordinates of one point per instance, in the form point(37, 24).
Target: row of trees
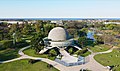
point(37, 42)
point(73, 27)
point(105, 39)
point(82, 37)
point(24, 29)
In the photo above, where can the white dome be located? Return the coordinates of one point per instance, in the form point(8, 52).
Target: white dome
point(58, 34)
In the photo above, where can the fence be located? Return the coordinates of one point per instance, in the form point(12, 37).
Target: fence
point(81, 60)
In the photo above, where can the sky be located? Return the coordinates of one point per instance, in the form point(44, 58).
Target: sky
point(59, 8)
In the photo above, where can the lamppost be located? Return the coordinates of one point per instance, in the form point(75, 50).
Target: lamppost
point(14, 38)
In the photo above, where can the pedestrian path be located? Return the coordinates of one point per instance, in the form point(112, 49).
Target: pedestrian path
point(67, 57)
point(91, 65)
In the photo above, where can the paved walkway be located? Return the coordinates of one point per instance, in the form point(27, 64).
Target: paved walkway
point(91, 65)
point(67, 57)
point(45, 49)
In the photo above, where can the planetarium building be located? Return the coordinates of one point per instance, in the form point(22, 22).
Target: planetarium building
point(58, 37)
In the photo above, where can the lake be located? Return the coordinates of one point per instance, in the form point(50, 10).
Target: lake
point(90, 35)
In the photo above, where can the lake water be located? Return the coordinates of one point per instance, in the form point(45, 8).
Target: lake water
point(90, 35)
point(59, 18)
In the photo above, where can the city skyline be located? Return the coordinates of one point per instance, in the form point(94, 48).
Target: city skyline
point(59, 9)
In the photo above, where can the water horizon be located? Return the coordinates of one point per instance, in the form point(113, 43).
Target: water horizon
point(59, 18)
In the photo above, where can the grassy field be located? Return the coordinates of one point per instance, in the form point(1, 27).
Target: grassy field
point(23, 65)
point(118, 45)
point(86, 54)
point(8, 54)
point(31, 52)
point(100, 48)
point(110, 59)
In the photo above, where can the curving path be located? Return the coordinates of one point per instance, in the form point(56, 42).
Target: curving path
point(67, 57)
point(91, 65)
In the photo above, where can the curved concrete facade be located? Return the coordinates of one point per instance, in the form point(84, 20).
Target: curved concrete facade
point(58, 34)
point(61, 44)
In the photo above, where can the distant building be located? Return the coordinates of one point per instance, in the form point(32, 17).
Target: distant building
point(111, 22)
point(17, 22)
point(59, 22)
point(12, 22)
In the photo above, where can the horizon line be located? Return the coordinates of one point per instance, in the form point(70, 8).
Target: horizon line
point(53, 17)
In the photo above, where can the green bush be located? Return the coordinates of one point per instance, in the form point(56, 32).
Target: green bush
point(31, 61)
point(70, 50)
point(52, 52)
point(21, 44)
point(79, 52)
point(1, 48)
point(49, 66)
point(7, 44)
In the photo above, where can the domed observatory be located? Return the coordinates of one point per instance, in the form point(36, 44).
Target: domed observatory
point(58, 37)
point(58, 34)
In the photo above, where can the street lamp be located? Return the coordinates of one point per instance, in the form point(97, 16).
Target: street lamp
point(14, 39)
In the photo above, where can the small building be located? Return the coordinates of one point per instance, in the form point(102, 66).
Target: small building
point(59, 22)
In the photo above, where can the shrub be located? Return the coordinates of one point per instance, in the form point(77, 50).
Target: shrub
point(21, 44)
point(84, 70)
point(50, 66)
point(52, 52)
point(7, 44)
point(31, 61)
point(79, 52)
point(1, 48)
point(70, 50)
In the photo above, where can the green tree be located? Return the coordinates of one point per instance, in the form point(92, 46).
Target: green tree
point(1, 34)
point(80, 52)
point(52, 52)
point(26, 29)
point(48, 27)
point(7, 44)
point(70, 50)
point(85, 30)
point(99, 25)
point(82, 41)
point(81, 33)
point(37, 43)
point(37, 28)
point(13, 28)
point(18, 36)
point(3, 31)
point(117, 29)
point(98, 39)
point(110, 26)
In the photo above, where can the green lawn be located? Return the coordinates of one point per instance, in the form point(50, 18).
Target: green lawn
point(110, 59)
point(118, 45)
point(23, 65)
point(100, 48)
point(31, 52)
point(8, 54)
point(85, 54)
